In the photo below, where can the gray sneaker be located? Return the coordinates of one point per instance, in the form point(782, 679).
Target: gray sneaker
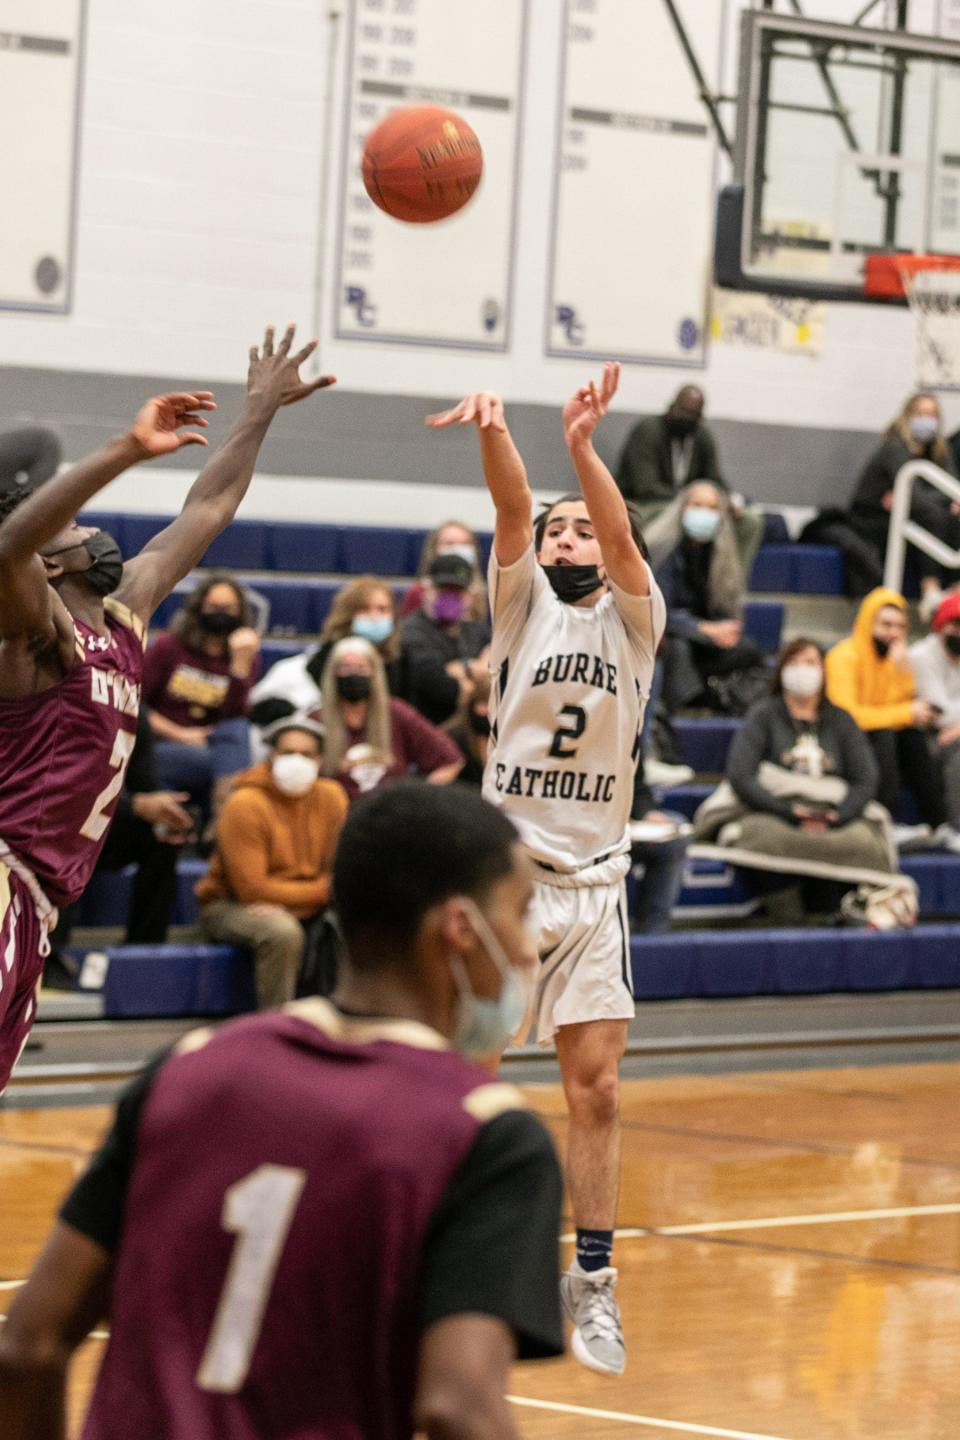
point(589, 1303)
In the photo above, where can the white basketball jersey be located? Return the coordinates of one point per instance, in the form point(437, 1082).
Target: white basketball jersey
point(569, 691)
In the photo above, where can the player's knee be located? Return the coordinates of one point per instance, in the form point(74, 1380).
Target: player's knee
point(594, 1097)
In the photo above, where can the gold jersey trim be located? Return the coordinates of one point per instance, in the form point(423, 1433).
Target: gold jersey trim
point(326, 1018)
point(488, 1101)
point(120, 612)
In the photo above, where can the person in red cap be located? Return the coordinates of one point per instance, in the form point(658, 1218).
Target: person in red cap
point(936, 666)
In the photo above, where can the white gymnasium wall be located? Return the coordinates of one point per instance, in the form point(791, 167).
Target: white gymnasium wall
point(201, 151)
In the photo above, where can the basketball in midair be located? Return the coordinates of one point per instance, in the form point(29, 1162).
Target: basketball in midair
point(422, 163)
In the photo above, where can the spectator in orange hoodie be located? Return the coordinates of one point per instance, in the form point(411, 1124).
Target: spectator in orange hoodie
point(269, 877)
point(869, 675)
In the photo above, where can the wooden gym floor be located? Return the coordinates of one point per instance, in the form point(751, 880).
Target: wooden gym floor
point(790, 1267)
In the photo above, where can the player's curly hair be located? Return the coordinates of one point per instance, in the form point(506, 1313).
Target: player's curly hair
point(10, 500)
point(540, 523)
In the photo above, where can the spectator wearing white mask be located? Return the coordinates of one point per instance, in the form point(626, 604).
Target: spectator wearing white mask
point(916, 434)
point(694, 554)
point(269, 878)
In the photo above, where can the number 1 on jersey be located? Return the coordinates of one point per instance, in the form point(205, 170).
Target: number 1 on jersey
point(259, 1210)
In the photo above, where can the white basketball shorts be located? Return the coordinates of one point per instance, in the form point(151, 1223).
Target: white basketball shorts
point(584, 945)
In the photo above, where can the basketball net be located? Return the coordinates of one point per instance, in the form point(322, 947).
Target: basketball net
point(933, 291)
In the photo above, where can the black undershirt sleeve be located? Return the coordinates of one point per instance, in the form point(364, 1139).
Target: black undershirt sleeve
point(493, 1246)
point(96, 1203)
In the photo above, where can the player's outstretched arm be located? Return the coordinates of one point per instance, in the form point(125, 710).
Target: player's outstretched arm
point(503, 470)
point(273, 381)
point(607, 509)
point(65, 1296)
point(462, 1379)
point(26, 600)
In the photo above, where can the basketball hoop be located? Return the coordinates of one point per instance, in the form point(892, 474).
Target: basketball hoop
point(931, 284)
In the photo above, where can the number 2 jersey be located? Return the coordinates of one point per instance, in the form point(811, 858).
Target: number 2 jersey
point(570, 687)
point(64, 753)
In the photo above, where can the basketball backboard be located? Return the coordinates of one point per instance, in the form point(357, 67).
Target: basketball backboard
point(847, 145)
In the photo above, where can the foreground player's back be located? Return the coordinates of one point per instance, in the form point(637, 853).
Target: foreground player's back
point(269, 1276)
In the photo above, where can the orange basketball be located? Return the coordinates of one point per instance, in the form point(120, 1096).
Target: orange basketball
point(422, 164)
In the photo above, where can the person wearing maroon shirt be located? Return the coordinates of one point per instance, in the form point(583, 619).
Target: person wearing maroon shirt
point(72, 629)
point(324, 1223)
point(197, 679)
point(372, 738)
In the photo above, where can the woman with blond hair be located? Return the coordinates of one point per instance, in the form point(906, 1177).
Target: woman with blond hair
point(365, 607)
point(372, 738)
point(450, 538)
point(915, 434)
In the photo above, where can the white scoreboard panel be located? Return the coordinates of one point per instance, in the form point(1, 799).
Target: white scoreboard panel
point(448, 283)
point(636, 156)
point(40, 48)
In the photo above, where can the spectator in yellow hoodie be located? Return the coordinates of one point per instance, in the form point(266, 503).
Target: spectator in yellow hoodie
point(869, 675)
point(269, 877)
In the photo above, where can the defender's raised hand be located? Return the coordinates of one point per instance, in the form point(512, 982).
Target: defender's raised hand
point(157, 426)
point(275, 374)
point(584, 410)
point(484, 409)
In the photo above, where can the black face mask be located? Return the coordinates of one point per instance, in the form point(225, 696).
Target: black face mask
point(952, 642)
point(882, 647)
point(480, 724)
point(573, 582)
point(219, 623)
point(106, 568)
point(679, 427)
point(353, 687)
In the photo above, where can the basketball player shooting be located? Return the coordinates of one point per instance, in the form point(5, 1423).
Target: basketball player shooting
point(577, 618)
point(73, 622)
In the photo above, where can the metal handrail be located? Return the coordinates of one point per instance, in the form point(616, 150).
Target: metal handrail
point(904, 530)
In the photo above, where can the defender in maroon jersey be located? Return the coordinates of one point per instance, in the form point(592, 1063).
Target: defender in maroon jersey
point(71, 660)
point(323, 1223)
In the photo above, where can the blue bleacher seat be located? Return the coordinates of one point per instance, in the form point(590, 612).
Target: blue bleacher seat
point(312, 549)
point(685, 798)
point(155, 980)
point(273, 650)
point(798, 569)
point(704, 743)
point(373, 550)
point(138, 529)
point(189, 871)
point(763, 623)
point(242, 546)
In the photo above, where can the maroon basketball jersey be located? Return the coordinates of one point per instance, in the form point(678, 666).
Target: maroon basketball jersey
point(64, 753)
point(287, 1168)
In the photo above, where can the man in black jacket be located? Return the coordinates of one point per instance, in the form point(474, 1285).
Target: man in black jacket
point(663, 453)
point(441, 645)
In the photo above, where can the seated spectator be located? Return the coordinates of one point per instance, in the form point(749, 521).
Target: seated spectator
point(269, 877)
point(444, 649)
point(658, 853)
point(800, 780)
point(372, 739)
point(29, 455)
point(450, 538)
point(366, 607)
point(706, 658)
point(148, 828)
point(870, 676)
point(914, 435)
point(936, 668)
point(197, 679)
point(470, 731)
point(664, 453)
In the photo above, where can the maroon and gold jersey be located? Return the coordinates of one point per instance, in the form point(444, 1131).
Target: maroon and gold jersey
point(64, 753)
point(292, 1200)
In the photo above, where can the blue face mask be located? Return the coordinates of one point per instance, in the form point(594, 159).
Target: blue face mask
point(924, 428)
point(375, 628)
point(700, 523)
point(485, 1027)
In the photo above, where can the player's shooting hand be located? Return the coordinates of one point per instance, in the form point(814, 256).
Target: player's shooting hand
point(157, 426)
point(484, 409)
point(584, 410)
point(275, 374)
